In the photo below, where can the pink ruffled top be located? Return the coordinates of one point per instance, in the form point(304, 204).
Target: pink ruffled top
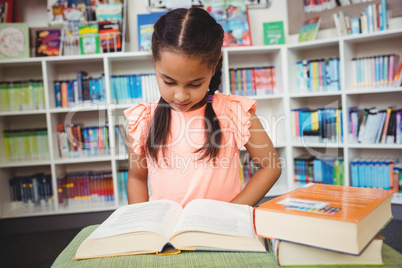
point(180, 175)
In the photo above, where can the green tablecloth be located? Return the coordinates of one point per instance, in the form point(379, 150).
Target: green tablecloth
point(391, 258)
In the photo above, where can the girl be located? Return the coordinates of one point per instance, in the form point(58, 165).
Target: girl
point(188, 143)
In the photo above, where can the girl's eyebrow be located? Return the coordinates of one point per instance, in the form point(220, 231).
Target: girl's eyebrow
point(168, 77)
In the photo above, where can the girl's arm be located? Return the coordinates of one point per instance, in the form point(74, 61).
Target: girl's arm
point(265, 157)
point(137, 179)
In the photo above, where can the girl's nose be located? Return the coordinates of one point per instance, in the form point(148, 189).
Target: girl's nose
point(181, 95)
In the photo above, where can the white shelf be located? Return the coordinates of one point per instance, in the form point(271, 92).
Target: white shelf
point(374, 90)
point(25, 164)
point(318, 145)
point(315, 94)
point(267, 97)
point(80, 108)
point(51, 210)
point(24, 112)
point(374, 146)
point(85, 159)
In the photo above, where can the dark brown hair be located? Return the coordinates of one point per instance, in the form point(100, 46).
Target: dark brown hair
point(194, 33)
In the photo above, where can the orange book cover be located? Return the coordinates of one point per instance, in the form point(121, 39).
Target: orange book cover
point(345, 218)
point(343, 203)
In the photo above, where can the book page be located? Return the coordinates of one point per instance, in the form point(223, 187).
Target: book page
point(216, 217)
point(155, 216)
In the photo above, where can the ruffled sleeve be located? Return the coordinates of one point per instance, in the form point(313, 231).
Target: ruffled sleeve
point(237, 108)
point(139, 117)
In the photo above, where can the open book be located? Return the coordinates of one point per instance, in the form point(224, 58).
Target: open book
point(157, 226)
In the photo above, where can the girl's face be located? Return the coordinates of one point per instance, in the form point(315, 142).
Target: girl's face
point(183, 81)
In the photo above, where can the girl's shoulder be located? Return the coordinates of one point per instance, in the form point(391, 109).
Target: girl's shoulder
point(234, 114)
point(139, 111)
point(224, 104)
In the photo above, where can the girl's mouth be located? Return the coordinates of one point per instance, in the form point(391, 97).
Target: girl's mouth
point(181, 106)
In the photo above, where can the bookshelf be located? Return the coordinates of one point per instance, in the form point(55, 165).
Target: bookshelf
point(273, 110)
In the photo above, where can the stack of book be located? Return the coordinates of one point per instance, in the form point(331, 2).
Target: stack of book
point(77, 141)
point(370, 125)
point(327, 170)
point(22, 95)
point(84, 89)
point(374, 18)
point(375, 172)
point(134, 88)
point(322, 224)
point(86, 188)
point(319, 75)
point(317, 126)
point(30, 191)
point(376, 71)
point(252, 81)
point(26, 144)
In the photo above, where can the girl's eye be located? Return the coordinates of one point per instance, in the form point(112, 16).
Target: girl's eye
point(195, 85)
point(168, 83)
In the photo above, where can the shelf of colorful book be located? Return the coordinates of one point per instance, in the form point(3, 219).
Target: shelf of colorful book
point(314, 67)
point(242, 66)
point(369, 58)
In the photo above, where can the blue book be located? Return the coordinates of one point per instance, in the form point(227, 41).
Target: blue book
point(57, 93)
point(384, 11)
point(355, 25)
point(145, 24)
point(70, 93)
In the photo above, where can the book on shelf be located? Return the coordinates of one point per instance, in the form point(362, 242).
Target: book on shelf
point(232, 15)
point(309, 29)
point(345, 218)
point(26, 144)
point(273, 33)
point(122, 138)
point(145, 24)
point(374, 172)
point(317, 126)
point(31, 191)
point(85, 188)
point(327, 170)
point(109, 12)
point(259, 81)
point(288, 254)
point(375, 71)
point(375, 126)
point(14, 40)
point(163, 226)
point(398, 75)
point(9, 11)
point(110, 36)
point(47, 42)
point(89, 39)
